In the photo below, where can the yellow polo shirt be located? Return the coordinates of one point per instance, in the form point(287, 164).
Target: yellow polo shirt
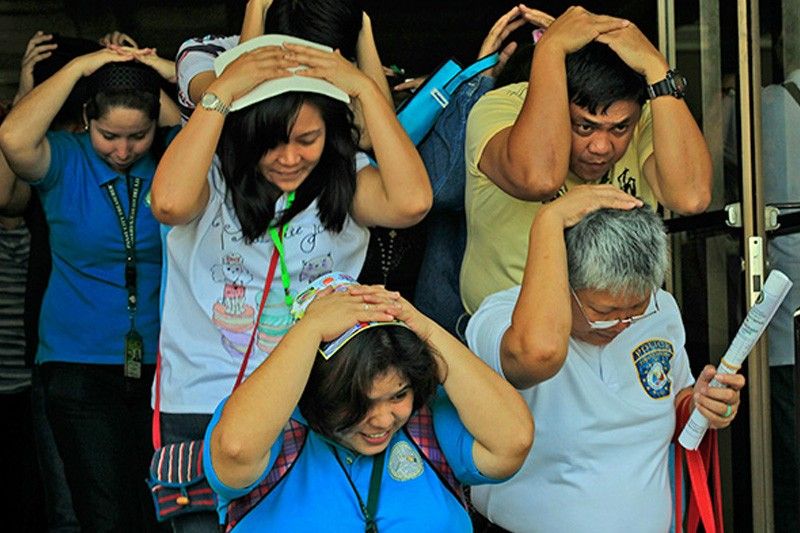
point(498, 225)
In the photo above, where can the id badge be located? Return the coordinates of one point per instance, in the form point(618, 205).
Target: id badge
point(134, 354)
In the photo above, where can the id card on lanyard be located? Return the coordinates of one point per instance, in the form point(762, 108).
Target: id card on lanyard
point(134, 344)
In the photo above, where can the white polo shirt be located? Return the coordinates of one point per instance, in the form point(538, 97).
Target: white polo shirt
point(603, 428)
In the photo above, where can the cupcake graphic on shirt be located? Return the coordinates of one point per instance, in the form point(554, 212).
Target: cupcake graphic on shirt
point(232, 315)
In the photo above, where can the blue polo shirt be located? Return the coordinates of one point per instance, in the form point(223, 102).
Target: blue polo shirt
point(316, 496)
point(84, 317)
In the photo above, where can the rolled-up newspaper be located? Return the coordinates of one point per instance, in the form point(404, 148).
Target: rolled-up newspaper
point(753, 326)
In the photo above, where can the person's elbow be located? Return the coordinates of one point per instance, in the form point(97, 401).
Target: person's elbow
point(533, 184)
point(510, 457)
point(167, 210)
point(413, 208)
point(233, 460)
point(534, 362)
point(9, 141)
point(542, 185)
point(692, 202)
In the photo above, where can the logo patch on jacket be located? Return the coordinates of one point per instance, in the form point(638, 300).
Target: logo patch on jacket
point(405, 463)
point(653, 360)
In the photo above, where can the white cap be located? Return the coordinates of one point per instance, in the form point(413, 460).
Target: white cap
point(277, 86)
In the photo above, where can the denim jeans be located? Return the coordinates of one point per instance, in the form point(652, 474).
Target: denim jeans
point(101, 423)
point(437, 293)
point(183, 427)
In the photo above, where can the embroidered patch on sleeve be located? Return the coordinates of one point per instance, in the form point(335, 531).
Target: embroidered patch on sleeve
point(653, 360)
point(405, 463)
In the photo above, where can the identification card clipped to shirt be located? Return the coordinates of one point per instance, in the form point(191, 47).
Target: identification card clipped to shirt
point(134, 354)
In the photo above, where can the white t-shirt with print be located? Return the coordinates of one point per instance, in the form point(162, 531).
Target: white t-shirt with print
point(604, 423)
point(214, 284)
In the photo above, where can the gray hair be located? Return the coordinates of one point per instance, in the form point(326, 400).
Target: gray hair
point(622, 252)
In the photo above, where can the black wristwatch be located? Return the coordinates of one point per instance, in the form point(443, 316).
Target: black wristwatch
point(674, 85)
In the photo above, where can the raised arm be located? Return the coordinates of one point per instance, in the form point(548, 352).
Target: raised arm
point(180, 185)
point(14, 193)
point(369, 62)
point(256, 412)
point(530, 159)
point(252, 26)
point(534, 347)
point(22, 135)
point(398, 193)
point(679, 171)
point(253, 23)
point(503, 433)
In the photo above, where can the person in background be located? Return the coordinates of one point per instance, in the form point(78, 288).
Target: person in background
point(780, 109)
point(340, 24)
point(601, 105)
point(96, 354)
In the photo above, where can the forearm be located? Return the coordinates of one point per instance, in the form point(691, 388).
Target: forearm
point(536, 160)
point(369, 62)
point(405, 185)
point(491, 410)
point(180, 184)
point(22, 134)
point(257, 411)
point(253, 23)
point(533, 349)
point(169, 114)
point(682, 162)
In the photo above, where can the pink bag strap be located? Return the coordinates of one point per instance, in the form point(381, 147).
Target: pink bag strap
point(156, 426)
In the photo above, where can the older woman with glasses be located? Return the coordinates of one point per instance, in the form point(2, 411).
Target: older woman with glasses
point(597, 350)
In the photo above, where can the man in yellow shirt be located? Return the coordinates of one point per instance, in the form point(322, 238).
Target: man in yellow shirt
point(602, 105)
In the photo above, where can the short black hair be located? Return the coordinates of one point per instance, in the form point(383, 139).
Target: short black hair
point(334, 23)
point(336, 395)
point(597, 78)
point(128, 84)
point(249, 133)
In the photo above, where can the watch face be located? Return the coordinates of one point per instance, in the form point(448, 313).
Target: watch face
point(209, 100)
point(680, 82)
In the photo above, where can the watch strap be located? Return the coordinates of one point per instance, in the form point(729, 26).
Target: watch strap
point(215, 103)
point(667, 86)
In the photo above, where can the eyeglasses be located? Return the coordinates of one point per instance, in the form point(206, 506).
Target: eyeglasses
point(606, 324)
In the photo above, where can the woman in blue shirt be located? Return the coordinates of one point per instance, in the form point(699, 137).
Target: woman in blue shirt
point(358, 389)
point(99, 321)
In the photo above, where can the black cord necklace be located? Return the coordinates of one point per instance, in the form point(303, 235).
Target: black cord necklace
point(370, 509)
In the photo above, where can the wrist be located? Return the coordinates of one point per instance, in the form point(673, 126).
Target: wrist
point(223, 93)
point(656, 71)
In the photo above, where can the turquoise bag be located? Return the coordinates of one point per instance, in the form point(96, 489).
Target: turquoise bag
point(419, 113)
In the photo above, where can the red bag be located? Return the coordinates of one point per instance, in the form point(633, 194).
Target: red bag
point(700, 463)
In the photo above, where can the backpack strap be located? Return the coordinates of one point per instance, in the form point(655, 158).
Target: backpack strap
point(294, 438)
point(419, 429)
point(471, 71)
point(793, 90)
